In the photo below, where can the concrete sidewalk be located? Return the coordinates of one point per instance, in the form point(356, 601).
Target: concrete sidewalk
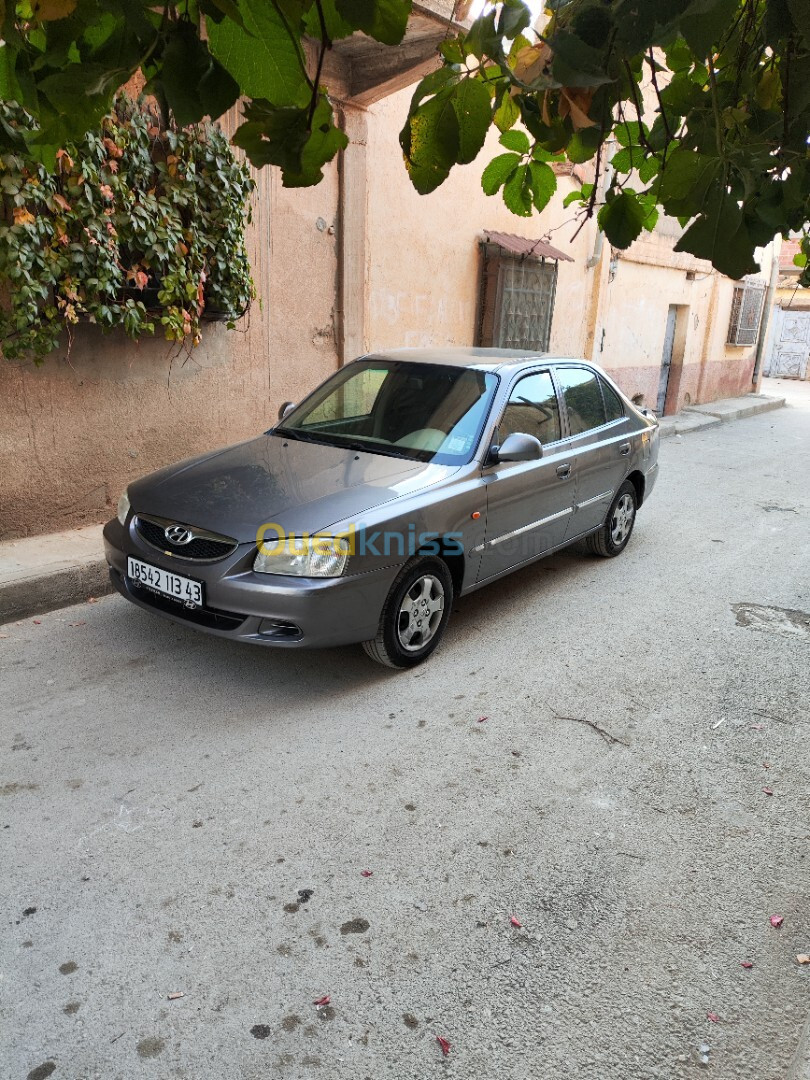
point(41, 573)
point(696, 417)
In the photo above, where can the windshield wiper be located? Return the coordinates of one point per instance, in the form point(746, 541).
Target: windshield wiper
point(368, 448)
point(294, 433)
point(340, 442)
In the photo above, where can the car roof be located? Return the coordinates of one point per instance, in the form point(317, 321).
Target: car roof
point(467, 356)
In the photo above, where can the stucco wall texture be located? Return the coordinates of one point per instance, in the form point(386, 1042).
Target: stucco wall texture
point(76, 430)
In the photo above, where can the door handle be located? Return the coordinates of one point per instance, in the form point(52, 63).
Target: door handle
point(564, 471)
point(624, 449)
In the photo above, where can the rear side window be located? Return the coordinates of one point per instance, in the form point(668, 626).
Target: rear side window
point(613, 403)
point(583, 399)
point(532, 409)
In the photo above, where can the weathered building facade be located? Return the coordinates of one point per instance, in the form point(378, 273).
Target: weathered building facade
point(358, 263)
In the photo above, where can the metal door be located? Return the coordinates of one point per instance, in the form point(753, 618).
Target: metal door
point(790, 344)
point(666, 359)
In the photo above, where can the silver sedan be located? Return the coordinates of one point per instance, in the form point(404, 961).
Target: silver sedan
point(407, 478)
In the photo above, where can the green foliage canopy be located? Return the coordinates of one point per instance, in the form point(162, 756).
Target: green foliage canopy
point(701, 107)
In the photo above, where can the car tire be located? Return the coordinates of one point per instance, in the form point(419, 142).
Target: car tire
point(612, 537)
point(414, 615)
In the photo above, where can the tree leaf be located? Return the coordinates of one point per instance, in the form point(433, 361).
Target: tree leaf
point(508, 112)
point(629, 132)
point(273, 136)
point(186, 61)
point(473, 107)
point(384, 20)
point(543, 183)
point(769, 89)
point(336, 25)
point(627, 159)
point(648, 168)
point(483, 38)
point(515, 140)
point(218, 90)
point(51, 10)
point(622, 219)
point(517, 192)
point(321, 146)
point(685, 182)
point(515, 17)
point(703, 23)
point(719, 235)
point(430, 142)
point(583, 145)
point(498, 172)
point(262, 58)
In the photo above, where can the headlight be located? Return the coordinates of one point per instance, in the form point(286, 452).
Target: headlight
point(123, 508)
point(303, 556)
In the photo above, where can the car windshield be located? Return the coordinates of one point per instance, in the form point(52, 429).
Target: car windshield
point(426, 412)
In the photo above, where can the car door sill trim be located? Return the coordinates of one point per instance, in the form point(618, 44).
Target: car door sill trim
point(595, 499)
point(533, 525)
point(528, 562)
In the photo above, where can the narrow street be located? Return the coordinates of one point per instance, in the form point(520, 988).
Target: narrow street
point(614, 752)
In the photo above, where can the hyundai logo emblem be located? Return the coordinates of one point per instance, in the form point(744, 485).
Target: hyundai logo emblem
point(178, 535)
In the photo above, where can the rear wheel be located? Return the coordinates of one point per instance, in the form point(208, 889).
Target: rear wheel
point(414, 615)
point(611, 539)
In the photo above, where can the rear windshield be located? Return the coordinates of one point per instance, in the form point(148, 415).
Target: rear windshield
point(425, 412)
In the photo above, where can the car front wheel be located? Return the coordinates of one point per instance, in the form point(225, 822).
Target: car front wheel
point(414, 615)
point(611, 539)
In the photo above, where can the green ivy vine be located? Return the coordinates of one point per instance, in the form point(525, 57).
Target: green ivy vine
point(136, 227)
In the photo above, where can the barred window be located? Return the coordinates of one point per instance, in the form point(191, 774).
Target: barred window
point(517, 302)
point(746, 313)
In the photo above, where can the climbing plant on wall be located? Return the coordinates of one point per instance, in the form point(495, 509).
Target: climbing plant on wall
point(136, 226)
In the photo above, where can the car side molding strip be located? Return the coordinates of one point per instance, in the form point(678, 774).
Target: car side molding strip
point(533, 525)
point(595, 499)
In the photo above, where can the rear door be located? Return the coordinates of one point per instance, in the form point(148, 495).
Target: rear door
point(598, 443)
point(528, 502)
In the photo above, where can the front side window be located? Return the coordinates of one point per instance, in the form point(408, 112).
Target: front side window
point(583, 399)
point(426, 412)
point(532, 409)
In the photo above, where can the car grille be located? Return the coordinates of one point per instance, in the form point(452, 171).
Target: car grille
point(205, 545)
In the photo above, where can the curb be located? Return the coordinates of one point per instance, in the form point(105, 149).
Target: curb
point(59, 588)
point(697, 417)
point(738, 408)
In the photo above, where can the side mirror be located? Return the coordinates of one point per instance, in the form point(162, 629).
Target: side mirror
point(286, 408)
point(518, 447)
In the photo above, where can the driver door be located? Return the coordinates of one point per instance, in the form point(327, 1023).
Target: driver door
point(528, 502)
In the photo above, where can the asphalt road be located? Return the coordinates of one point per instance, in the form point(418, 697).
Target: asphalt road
point(164, 796)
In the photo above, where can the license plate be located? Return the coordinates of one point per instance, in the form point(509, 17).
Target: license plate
point(164, 582)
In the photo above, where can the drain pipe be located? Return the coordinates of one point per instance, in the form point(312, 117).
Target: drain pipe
point(756, 376)
point(606, 177)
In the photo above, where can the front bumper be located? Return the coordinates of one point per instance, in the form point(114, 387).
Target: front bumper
point(263, 609)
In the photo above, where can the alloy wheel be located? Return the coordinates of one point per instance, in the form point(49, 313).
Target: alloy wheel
point(622, 520)
point(420, 613)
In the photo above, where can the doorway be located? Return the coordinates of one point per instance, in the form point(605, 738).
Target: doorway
point(666, 359)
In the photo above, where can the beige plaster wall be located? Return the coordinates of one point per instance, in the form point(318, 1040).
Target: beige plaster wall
point(75, 431)
point(423, 259)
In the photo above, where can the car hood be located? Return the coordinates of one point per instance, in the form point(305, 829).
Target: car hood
point(302, 487)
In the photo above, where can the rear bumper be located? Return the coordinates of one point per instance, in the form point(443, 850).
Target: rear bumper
point(262, 609)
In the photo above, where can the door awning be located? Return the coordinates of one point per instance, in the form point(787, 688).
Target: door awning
point(525, 248)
